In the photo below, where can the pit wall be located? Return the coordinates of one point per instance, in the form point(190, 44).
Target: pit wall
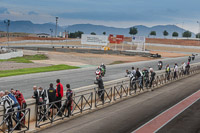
point(93, 51)
point(114, 90)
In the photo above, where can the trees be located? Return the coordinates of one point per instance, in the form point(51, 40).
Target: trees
point(133, 31)
point(165, 33)
point(76, 34)
point(93, 33)
point(175, 34)
point(153, 33)
point(187, 34)
point(198, 35)
point(104, 33)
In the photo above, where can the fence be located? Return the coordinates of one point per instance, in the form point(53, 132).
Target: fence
point(90, 97)
point(21, 118)
point(51, 112)
point(111, 93)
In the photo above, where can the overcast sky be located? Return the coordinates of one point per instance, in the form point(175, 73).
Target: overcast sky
point(116, 13)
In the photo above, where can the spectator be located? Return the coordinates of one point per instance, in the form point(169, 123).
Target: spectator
point(6, 102)
point(15, 106)
point(145, 73)
point(43, 100)
point(189, 58)
point(183, 68)
point(59, 95)
point(35, 94)
point(188, 68)
point(127, 73)
point(152, 77)
point(52, 98)
point(168, 71)
point(133, 71)
point(69, 100)
point(20, 98)
point(99, 82)
point(175, 70)
point(139, 77)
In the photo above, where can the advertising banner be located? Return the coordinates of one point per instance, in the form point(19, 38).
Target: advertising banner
point(94, 39)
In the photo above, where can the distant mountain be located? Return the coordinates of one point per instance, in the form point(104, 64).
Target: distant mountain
point(29, 27)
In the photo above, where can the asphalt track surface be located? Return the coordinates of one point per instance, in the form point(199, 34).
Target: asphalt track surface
point(130, 114)
point(79, 77)
point(186, 122)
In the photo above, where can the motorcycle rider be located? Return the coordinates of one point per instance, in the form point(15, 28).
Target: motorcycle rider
point(193, 56)
point(160, 64)
point(103, 69)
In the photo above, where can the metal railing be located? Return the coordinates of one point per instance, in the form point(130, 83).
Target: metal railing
point(120, 91)
point(82, 103)
point(103, 96)
point(51, 112)
point(20, 117)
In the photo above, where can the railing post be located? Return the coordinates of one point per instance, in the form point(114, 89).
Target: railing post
point(36, 116)
point(81, 103)
point(95, 97)
point(91, 99)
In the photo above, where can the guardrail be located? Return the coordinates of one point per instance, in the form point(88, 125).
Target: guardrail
point(20, 117)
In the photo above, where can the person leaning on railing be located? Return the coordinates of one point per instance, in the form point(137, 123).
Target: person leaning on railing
point(152, 77)
point(68, 103)
point(99, 82)
point(20, 98)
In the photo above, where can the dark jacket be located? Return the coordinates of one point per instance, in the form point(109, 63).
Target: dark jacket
point(99, 82)
point(138, 74)
point(69, 95)
point(51, 94)
point(35, 96)
point(153, 74)
point(38, 95)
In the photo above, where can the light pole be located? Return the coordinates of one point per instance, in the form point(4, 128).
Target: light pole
point(56, 27)
point(7, 27)
point(51, 32)
point(51, 37)
point(199, 31)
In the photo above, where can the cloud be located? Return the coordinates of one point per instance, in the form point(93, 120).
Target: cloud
point(4, 10)
point(32, 13)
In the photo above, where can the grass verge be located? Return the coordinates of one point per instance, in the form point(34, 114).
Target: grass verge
point(27, 58)
point(117, 62)
point(6, 73)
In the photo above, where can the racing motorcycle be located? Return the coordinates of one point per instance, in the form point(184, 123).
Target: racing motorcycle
point(101, 71)
point(160, 65)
